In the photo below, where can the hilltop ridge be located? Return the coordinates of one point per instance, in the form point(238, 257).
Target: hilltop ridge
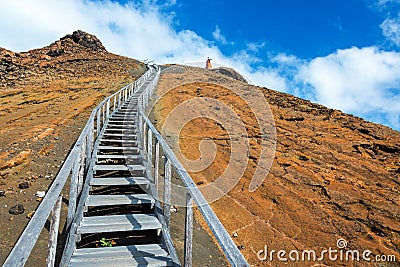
point(78, 53)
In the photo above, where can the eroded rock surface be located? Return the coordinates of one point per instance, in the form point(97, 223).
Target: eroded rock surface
point(334, 176)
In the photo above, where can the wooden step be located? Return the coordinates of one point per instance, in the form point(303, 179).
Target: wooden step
point(125, 112)
point(112, 120)
point(122, 148)
point(123, 130)
point(123, 115)
point(110, 200)
point(118, 223)
point(119, 168)
point(113, 157)
point(116, 181)
point(120, 252)
point(119, 135)
point(123, 141)
point(148, 261)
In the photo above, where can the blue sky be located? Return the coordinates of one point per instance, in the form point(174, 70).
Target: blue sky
point(344, 54)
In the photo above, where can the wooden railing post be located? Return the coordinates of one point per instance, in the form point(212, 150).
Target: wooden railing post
point(188, 231)
point(156, 166)
point(98, 123)
point(89, 145)
point(82, 163)
point(73, 191)
point(149, 149)
point(53, 235)
point(140, 130)
point(103, 114)
point(108, 108)
point(144, 137)
point(167, 191)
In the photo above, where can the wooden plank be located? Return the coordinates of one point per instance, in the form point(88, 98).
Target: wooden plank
point(127, 148)
point(127, 109)
point(119, 181)
point(123, 130)
point(156, 261)
point(120, 135)
point(118, 141)
point(123, 116)
point(119, 168)
point(118, 219)
point(53, 234)
point(119, 252)
point(127, 157)
point(121, 126)
point(118, 121)
point(188, 231)
point(118, 223)
point(110, 200)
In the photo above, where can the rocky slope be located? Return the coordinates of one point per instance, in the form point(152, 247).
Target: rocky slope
point(334, 176)
point(46, 96)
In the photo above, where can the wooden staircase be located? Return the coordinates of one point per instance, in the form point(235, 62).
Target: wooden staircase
point(113, 175)
point(119, 205)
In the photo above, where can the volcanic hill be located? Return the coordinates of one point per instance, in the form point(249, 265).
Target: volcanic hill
point(333, 175)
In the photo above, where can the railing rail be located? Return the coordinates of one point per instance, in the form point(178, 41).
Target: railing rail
point(148, 133)
point(76, 167)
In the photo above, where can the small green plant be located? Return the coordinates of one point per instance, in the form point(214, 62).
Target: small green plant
point(105, 243)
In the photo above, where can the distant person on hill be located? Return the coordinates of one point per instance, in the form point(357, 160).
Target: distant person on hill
point(208, 63)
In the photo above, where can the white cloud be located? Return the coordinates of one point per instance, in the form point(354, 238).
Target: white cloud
point(138, 29)
point(391, 30)
point(359, 81)
point(218, 36)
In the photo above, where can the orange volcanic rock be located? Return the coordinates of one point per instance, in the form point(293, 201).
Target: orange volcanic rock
point(334, 176)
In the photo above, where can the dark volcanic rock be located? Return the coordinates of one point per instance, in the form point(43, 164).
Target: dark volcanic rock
point(17, 209)
point(24, 185)
point(230, 73)
point(86, 40)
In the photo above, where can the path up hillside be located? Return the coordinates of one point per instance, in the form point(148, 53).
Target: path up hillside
point(46, 97)
point(334, 176)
